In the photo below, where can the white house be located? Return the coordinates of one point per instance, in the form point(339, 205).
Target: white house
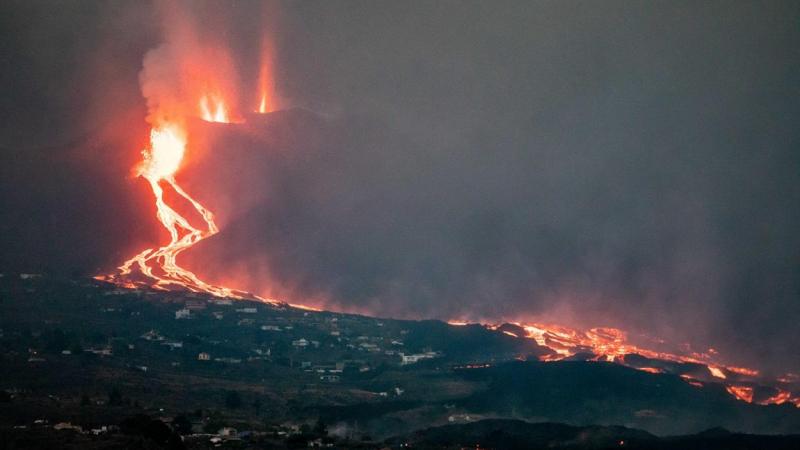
point(412, 359)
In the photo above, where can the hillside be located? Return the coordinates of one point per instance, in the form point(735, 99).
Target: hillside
point(93, 355)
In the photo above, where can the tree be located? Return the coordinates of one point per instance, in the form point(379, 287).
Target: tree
point(182, 425)
point(320, 428)
point(233, 400)
point(55, 341)
point(85, 400)
point(114, 397)
point(257, 405)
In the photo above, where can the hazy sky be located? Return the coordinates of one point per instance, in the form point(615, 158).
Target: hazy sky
point(606, 163)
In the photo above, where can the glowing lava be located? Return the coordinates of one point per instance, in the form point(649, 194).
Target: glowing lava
point(213, 109)
point(185, 76)
point(160, 162)
point(612, 345)
point(744, 393)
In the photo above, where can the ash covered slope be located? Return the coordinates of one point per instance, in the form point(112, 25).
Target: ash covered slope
point(299, 366)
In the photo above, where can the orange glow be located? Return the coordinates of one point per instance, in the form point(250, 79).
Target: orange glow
point(789, 378)
point(692, 381)
point(161, 159)
point(743, 371)
point(743, 393)
point(304, 307)
point(717, 372)
point(612, 345)
point(609, 344)
point(213, 109)
point(266, 82)
point(778, 399)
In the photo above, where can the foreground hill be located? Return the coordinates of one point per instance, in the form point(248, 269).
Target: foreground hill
point(515, 434)
point(92, 355)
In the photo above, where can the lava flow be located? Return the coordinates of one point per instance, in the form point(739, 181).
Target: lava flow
point(160, 162)
point(612, 345)
point(188, 76)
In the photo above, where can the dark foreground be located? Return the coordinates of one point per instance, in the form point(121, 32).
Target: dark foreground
point(485, 434)
point(86, 365)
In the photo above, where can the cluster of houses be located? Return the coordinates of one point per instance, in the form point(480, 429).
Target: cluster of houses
point(322, 343)
point(327, 331)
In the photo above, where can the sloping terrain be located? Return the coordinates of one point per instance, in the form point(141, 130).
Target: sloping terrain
point(93, 355)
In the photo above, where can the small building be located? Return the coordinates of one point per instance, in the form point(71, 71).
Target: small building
point(300, 343)
point(460, 418)
point(249, 310)
point(412, 359)
point(67, 426)
point(152, 335)
point(104, 351)
point(203, 356)
point(370, 347)
point(183, 314)
point(227, 432)
point(228, 360)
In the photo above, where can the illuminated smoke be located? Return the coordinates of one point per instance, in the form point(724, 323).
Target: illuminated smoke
point(180, 79)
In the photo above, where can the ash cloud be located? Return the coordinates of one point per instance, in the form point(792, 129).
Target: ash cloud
point(614, 164)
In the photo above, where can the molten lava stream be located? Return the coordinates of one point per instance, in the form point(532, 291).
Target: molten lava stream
point(161, 160)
